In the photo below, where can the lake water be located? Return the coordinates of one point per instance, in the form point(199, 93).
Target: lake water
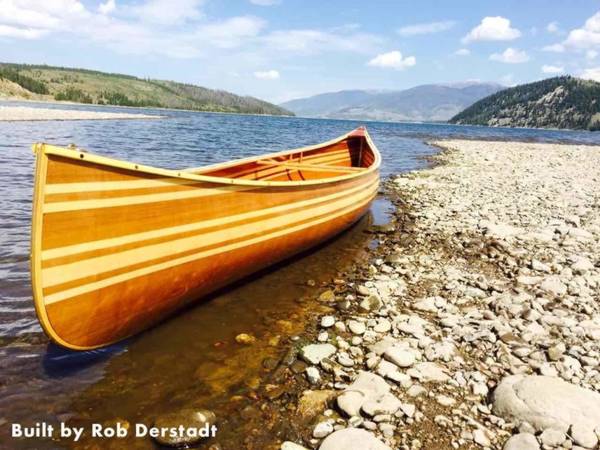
point(189, 359)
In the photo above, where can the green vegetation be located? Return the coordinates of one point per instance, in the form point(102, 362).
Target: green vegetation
point(89, 86)
point(560, 102)
point(32, 85)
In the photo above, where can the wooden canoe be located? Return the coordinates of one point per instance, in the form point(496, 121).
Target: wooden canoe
point(117, 246)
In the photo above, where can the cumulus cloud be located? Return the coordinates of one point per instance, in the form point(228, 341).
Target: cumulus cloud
point(462, 52)
point(510, 56)
point(556, 48)
point(426, 28)
point(393, 60)
point(169, 12)
point(552, 69)
point(21, 33)
point(591, 54)
point(586, 37)
point(492, 29)
point(592, 73)
point(310, 41)
point(267, 75)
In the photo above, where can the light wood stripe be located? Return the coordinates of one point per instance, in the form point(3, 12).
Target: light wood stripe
point(99, 186)
point(65, 273)
point(196, 226)
point(140, 199)
point(59, 296)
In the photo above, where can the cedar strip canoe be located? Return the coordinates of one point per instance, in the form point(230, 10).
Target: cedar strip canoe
point(117, 247)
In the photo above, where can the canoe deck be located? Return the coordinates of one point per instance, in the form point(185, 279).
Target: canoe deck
point(117, 246)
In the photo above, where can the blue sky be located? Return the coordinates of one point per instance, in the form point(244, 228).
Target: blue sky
point(284, 49)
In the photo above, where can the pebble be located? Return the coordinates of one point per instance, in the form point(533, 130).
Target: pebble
point(522, 441)
point(357, 327)
point(315, 353)
point(322, 429)
point(352, 439)
point(312, 375)
point(327, 321)
point(245, 339)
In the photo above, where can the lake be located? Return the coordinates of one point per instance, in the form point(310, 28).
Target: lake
point(189, 360)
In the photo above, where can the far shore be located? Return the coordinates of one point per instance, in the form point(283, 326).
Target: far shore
point(25, 113)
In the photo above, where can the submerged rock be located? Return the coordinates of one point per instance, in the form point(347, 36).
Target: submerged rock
point(245, 339)
point(188, 418)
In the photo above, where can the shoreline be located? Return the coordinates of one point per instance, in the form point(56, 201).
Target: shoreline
point(27, 114)
point(485, 282)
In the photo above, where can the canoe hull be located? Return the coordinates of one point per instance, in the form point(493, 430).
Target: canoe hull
point(119, 250)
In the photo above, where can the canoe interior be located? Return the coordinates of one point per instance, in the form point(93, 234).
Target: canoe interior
point(117, 247)
point(350, 155)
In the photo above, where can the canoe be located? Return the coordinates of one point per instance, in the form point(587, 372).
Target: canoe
point(117, 247)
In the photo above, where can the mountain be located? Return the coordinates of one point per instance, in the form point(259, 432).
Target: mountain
point(46, 83)
point(560, 102)
point(428, 102)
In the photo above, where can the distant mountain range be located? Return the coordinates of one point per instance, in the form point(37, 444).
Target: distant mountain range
point(47, 83)
point(427, 103)
point(560, 102)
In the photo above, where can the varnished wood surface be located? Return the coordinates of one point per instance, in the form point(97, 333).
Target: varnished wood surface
point(117, 247)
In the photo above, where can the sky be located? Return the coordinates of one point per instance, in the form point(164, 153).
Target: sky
point(279, 50)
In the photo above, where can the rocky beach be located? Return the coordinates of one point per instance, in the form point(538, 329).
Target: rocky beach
point(476, 322)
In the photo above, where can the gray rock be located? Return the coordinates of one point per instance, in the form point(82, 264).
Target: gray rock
point(553, 286)
point(522, 441)
point(312, 375)
point(357, 327)
point(289, 445)
point(385, 404)
point(546, 402)
point(583, 436)
point(323, 429)
point(367, 386)
point(314, 353)
point(371, 303)
point(429, 371)
point(352, 439)
point(400, 355)
point(552, 437)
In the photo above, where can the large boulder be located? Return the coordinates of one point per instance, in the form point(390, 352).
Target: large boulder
point(546, 402)
point(352, 439)
point(366, 388)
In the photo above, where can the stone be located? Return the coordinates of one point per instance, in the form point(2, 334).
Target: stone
point(366, 386)
point(553, 286)
point(352, 439)
point(327, 296)
point(188, 418)
point(327, 321)
point(522, 441)
point(582, 265)
point(245, 339)
point(314, 353)
point(408, 409)
point(370, 303)
point(552, 437)
point(399, 355)
point(312, 403)
point(382, 326)
point(323, 429)
point(289, 445)
point(444, 400)
point(384, 404)
point(583, 436)
point(556, 351)
point(312, 375)
point(480, 437)
point(429, 371)
point(357, 327)
point(546, 402)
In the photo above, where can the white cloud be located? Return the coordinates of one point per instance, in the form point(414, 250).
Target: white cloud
point(265, 2)
point(169, 12)
point(492, 29)
point(556, 48)
point(20, 33)
point(591, 54)
point(586, 37)
point(462, 52)
point(393, 59)
point(552, 27)
point(510, 56)
point(267, 75)
point(108, 7)
point(230, 33)
point(592, 73)
point(309, 41)
point(552, 69)
point(426, 28)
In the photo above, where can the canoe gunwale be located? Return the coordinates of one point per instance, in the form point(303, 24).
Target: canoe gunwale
point(188, 174)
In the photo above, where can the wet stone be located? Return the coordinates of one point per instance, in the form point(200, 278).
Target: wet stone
point(188, 418)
